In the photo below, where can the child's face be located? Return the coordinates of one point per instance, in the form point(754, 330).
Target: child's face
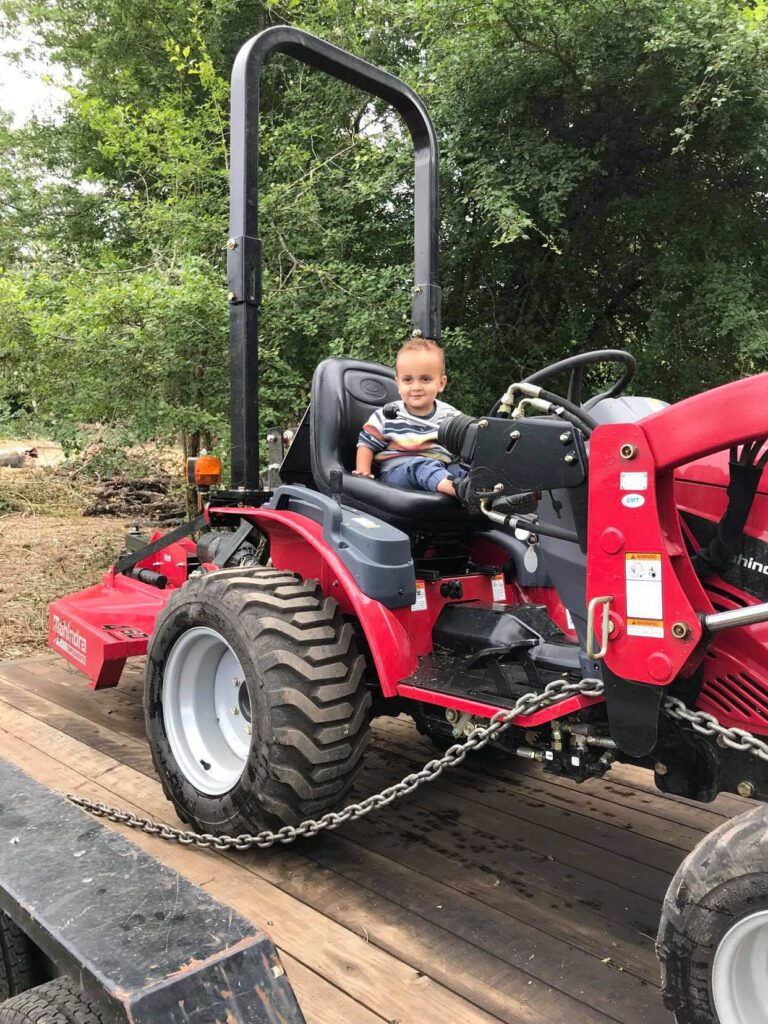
point(420, 379)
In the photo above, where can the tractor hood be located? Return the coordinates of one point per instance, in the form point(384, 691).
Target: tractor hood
point(713, 470)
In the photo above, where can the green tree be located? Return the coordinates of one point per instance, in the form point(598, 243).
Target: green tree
point(602, 185)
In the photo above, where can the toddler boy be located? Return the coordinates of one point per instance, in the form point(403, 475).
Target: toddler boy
point(402, 437)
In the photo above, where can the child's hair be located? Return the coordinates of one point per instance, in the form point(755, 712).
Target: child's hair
point(423, 345)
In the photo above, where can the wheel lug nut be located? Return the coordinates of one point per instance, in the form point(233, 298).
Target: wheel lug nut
point(235, 710)
point(248, 730)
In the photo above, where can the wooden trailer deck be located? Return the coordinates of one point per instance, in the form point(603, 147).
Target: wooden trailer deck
point(497, 893)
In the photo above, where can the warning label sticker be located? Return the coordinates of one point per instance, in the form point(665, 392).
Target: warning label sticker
point(420, 604)
point(498, 589)
point(644, 593)
point(645, 627)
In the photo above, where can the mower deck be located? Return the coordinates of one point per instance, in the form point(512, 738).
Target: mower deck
point(496, 894)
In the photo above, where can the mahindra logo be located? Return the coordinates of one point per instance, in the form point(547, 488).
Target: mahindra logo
point(72, 637)
point(751, 563)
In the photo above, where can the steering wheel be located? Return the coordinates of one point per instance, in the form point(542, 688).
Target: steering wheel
point(576, 365)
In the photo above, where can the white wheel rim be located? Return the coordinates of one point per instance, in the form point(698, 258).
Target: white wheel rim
point(206, 710)
point(740, 972)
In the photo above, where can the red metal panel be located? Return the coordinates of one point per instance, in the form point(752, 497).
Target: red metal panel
point(97, 629)
point(637, 557)
point(171, 562)
point(297, 543)
point(396, 637)
point(420, 620)
point(474, 707)
point(708, 422)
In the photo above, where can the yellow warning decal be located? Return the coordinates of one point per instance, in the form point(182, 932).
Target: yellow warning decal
point(645, 627)
point(420, 604)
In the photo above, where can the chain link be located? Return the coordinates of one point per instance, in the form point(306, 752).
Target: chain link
point(708, 725)
point(553, 693)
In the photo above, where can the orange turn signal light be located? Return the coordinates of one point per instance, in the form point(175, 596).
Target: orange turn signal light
point(204, 471)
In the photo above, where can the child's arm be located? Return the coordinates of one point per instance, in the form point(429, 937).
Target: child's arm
point(372, 439)
point(363, 461)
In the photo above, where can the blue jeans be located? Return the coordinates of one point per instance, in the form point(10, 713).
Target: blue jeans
point(421, 474)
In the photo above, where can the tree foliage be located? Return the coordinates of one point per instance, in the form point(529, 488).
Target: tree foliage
point(602, 186)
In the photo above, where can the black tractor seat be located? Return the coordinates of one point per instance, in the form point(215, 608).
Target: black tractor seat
point(344, 394)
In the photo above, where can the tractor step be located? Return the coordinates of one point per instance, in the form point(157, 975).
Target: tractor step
point(486, 684)
point(486, 656)
point(445, 680)
point(485, 678)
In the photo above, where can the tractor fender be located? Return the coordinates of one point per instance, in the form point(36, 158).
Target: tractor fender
point(299, 544)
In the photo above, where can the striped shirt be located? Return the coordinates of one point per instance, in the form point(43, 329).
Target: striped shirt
point(405, 435)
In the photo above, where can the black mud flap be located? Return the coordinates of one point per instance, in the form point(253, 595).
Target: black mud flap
point(633, 713)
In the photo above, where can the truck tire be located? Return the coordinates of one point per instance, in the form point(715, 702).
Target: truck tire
point(56, 1002)
point(17, 959)
point(255, 702)
point(713, 935)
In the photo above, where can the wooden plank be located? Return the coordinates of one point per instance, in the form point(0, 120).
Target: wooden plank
point(335, 951)
point(624, 836)
point(539, 871)
point(559, 910)
point(479, 944)
point(335, 890)
point(312, 993)
point(80, 699)
point(646, 966)
point(450, 814)
point(573, 907)
point(94, 736)
point(371, 976)
point(332, 894)
point(321, 1002)
point(498, 988)
point(625, 786)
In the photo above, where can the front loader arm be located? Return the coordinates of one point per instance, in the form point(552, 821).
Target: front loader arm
point(642, 588)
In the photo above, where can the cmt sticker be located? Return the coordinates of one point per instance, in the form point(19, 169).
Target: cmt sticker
point(645, 603)
point(633, 481)
point(498, 589)
point(633, 500)
point(420, 604)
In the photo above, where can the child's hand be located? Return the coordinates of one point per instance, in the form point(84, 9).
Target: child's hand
point(359, 472)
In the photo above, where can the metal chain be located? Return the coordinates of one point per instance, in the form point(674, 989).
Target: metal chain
point(708, 725)
point(553, 693)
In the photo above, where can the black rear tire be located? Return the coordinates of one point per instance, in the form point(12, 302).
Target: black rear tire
point(56, 1002)
point(17, 959)
point(722, 884)
point(306, 699)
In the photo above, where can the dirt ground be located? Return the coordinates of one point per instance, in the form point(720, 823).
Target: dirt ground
point(44, 557)
point(49, 547)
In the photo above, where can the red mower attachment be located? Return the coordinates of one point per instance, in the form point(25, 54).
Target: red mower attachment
point(99, 628)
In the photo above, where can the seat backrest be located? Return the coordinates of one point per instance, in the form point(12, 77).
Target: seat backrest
point(344, 394)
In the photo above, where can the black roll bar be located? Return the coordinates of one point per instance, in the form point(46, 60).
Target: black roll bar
point(244, 246)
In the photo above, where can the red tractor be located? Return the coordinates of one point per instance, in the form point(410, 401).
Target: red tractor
point(601, 595)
